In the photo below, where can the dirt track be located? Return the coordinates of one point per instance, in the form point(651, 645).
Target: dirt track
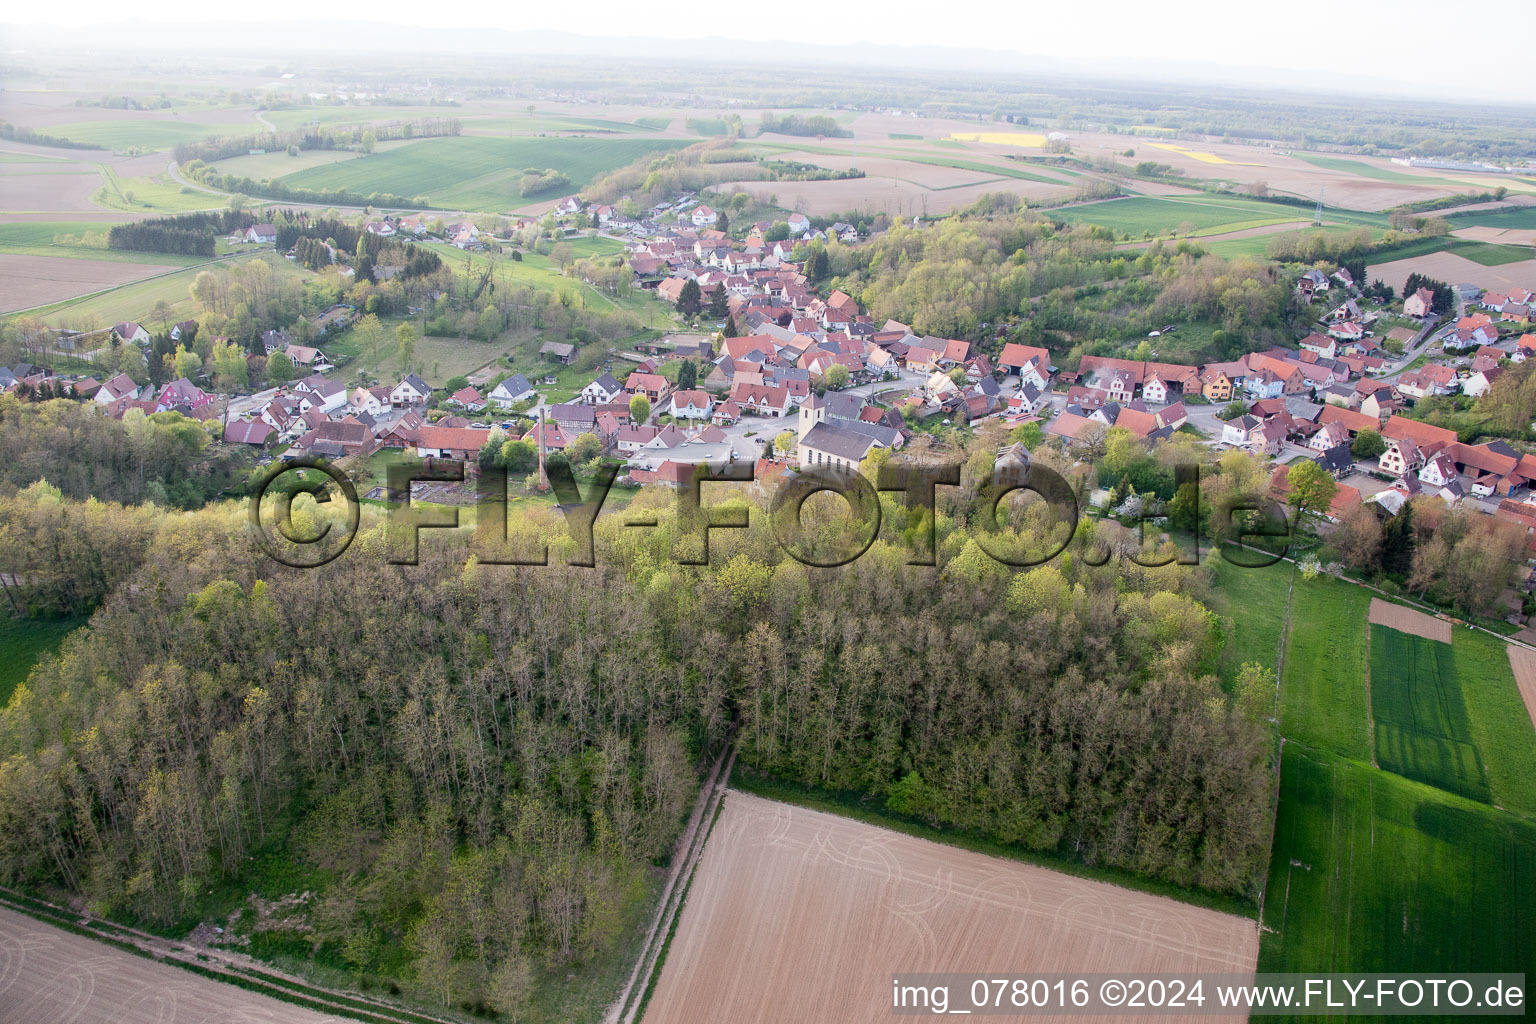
point(48, 976)
point(1523, 663)
point(1406, 620)
point(796, 915)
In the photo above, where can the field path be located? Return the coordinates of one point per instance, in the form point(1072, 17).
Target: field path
point(685, 858)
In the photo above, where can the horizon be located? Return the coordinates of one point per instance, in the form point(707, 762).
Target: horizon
point(1309, 68)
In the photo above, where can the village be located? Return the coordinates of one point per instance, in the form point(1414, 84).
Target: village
point(784, 374)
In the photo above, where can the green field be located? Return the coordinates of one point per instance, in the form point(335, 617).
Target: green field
point(22, 642)
point(1208, 214)
point(902, 136)
point(157, 193)
point(135, 301)
point(1365, 170)
point(655, 123)
point(552, 123)
point(146, 133)
point(67, 239)
point(1323, 685)
point(1420, 718)
point(1520, 217)
point(1490, 254)
point(1257, 601)
point(709, 126)
point(1500, 727)
point(475, 172)
point(1371, 871)
point(297, 117)
point(278, 163)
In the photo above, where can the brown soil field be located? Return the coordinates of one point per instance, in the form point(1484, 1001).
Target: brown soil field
point(1271, 164)
point(1407, 620)
point(1502, 236)
point(1523, 663)
point(798, 915)
point(894, 196)
point(1453, 269)
point(27, 281)
point(48, 976)
point(48, 188)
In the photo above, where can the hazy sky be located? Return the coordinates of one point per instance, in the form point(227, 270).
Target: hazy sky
point(1396, 44)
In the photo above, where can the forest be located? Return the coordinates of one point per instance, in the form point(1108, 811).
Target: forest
point(1063, 287)
point(472, 768)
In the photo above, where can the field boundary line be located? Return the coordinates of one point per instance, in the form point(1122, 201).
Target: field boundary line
point(690, 847)
point(64, 304)
point(216, 964)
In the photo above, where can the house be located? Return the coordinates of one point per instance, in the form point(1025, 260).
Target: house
point(1313, 281)
point(1328, 348)
point(1235, 431)
point(412, 390)
point(703, 216)
point(1420, 304)
point(1329, 435)
point(761, 399)
point(651, 385)
point(1401, 457)
point(1346, 330)
point(335, 439)
point(1216, 385)
point(798, 223)
point(128, 331)
point(511, 391)
point(372, 401)
point(186, 330)
point(828, 444)
point(325, 395)
point(256, 432)
point(121, 386)
point(1478, 384)
point(466, 398)
point(184, 397)
point(1016, 358)
point(1439, 471)
point(461, 443)
point(573, 418)
point(568, 205)
point(691, 405)
point(1155, 390)
point(261, 233)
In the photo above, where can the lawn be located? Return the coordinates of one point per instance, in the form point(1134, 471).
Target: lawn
point(145, 133)
point(1371, 871)
point(22, 643)
point(476, 172)
point(1257, 601)
point(1323, 682)
point(1421, 724)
